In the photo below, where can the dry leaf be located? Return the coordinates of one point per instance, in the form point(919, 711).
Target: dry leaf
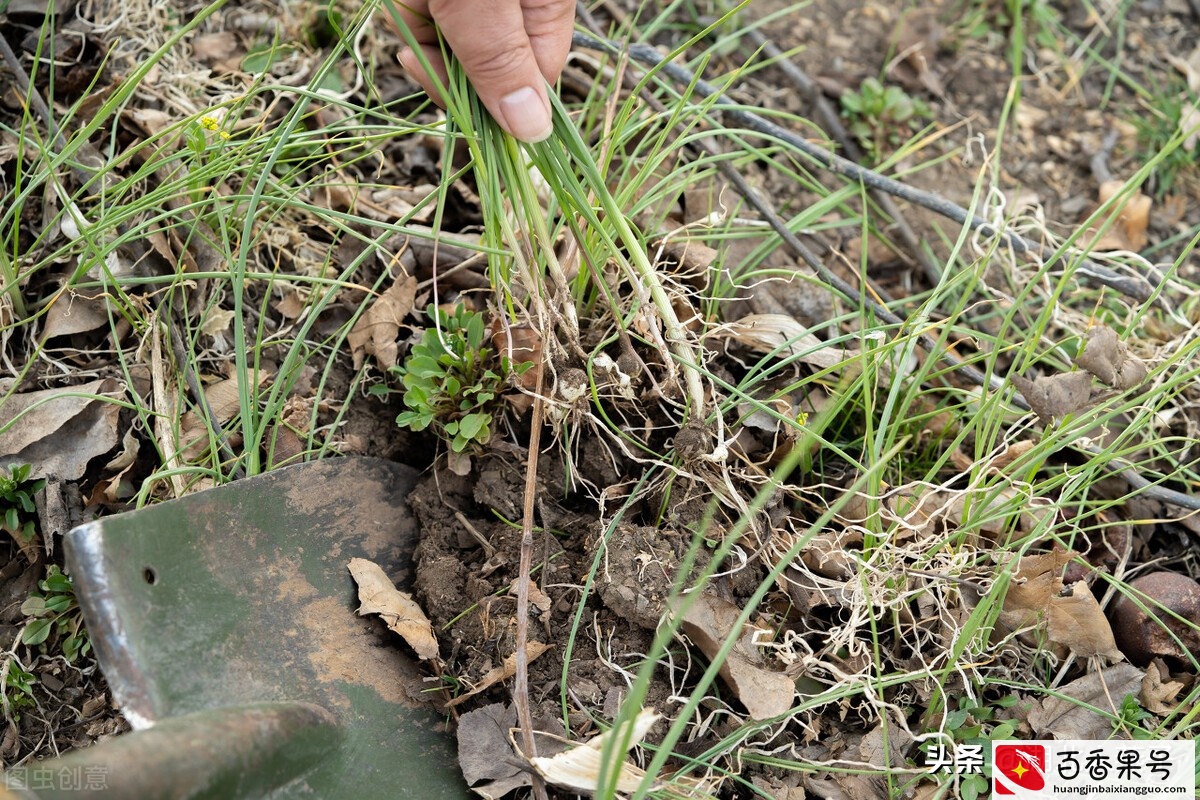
point(917, 41)
point(1070, 616)
point(765, 693)
point(1189, 123)
point(490, 762)
point(217, 49)
point(537, 598)
point(1128, 231)
point(769, 333)
point(1158, 691)
point(1067, 715)
point(484, 752)
point(59, 431)
point(378, 595)
point(502, 672)
point(1104, 356)
point(376, 330)
point(1074, 620)
point(1054, 396)
point(216, 321)
point(76, 313)
point(223, 404)
point(579, 768)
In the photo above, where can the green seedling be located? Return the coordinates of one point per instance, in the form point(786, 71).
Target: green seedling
point(16, 503)
point(55, 609)
point(453, 380)
point(880, 115)
point(18, 688)
point(1130, 718)
point(974, 724)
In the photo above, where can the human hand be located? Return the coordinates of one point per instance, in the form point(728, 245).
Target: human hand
point(509, 49)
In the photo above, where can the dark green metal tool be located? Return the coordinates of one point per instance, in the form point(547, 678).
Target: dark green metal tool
point(225, 624)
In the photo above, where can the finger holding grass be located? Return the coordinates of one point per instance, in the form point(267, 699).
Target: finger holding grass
point(510, 50)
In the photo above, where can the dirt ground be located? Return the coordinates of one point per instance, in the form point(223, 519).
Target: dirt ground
point(1076, 127)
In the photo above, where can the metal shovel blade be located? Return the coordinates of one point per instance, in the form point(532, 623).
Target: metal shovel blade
point(236, 597)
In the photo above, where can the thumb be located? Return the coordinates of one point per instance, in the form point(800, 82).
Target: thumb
point(489, 39)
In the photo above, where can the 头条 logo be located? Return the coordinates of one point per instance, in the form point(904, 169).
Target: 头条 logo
point(1019, 768)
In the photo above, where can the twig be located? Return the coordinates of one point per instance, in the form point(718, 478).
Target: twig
point(833, 124)
point(22, 78)
point(831, 278)
point(524, 573)
point(648, 56)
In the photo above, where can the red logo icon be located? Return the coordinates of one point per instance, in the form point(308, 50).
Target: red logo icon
point(1019, 768)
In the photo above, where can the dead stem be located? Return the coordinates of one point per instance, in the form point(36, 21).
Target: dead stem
point(833, 125)
point(521, 679)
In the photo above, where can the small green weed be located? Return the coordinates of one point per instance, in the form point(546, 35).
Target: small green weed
point(1157, 124)
point(1130, 718)
point(882, 116)
point(16, 503)
point(56, 609)
point(1037, 20)
point(18, 688)
point(974, 726)
point(452, 380)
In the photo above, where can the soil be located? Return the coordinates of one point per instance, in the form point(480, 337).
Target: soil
point(605, 581)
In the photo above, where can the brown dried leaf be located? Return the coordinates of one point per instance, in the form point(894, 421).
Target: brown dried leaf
point(1190, 67)
point(579, 768)
point(488, 756)
point(291, 305)
point(917, 40)
point(216, 321)
point(59, 431)
point(1074, 620)
point(375, 332)
point(484, 752)
point(502, 672)
point(1054, 396)
point(1070, 616)
point(539, 599)
point(1067, 716)
point(224, 404)
point(1105, 357)
point(378, 595)
point(220, 50)
point(76, 313)
point(767, 333)
point(765, 693)
point(1128, 231)
point(1158, 691)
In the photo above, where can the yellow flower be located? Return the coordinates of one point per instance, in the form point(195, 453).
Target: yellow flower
point(209, 123)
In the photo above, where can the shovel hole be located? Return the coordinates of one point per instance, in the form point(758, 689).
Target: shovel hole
point(149, 575)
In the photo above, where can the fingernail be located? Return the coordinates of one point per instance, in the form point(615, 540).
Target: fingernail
point(527, 115)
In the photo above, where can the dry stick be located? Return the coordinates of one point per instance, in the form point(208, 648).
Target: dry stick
point(1127, 472)
point(521, 660)
point(648, 56)
point(833, 124)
